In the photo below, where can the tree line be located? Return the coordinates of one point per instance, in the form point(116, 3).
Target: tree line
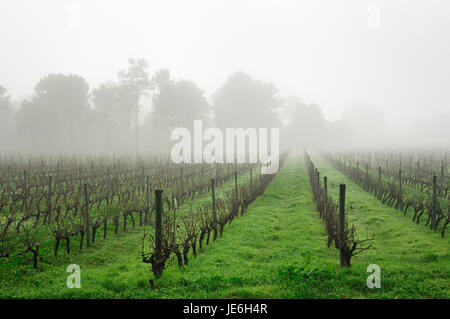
point(65, 115)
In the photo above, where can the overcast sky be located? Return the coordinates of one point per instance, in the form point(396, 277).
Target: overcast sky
point(393, 54)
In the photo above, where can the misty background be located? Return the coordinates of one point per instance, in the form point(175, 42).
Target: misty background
point(118, 76)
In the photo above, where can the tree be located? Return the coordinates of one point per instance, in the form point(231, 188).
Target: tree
point(307, 126)
point(4, 100)
point(244, 102)
point(38, 125)
point(135, 78)
point(369, 124)
point(60, 108)
point(5, 117)
point(180, 102)
point(111, 114)
point(176, 104)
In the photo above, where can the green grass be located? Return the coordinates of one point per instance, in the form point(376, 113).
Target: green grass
point(276, 250)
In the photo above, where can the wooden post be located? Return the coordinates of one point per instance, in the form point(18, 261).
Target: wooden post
point(143, 183)
point(147, 197)
point(318, 179)
point(341, 225)
point(318, 187)
point(236, 185)
point(251, 178)
point(379, 175)
point(181, 181)
point(260, 171)
point(379, 182)
point(314, 186)
point(434, 205)
point(213, 197)
point(400, 188)
point(325, 197)
point(411, 166)
point(418, 174)
point(86, 202)
point(49, 199)
point(366, 183)
point(25, 181)
point(158, 224)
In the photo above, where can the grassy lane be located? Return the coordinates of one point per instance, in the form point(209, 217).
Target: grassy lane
point(415, 262)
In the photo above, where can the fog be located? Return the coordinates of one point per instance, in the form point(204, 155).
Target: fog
point(119, 76)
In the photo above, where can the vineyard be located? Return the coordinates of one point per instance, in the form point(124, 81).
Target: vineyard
point(145, 227)
point(45, 203)
point(215, 158)
point(406, 185)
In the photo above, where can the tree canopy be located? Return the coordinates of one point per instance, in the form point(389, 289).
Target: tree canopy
point(59, 106)
point(244, 102)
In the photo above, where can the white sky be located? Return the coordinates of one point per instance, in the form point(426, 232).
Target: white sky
point(322, 51)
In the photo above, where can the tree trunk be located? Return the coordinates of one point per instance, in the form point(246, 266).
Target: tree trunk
point(443, 228)
point(179, 258)
point(194, 248)
point(215, 233)
point(345, 258)
point(207, 236)
point(132, 220)
point(56, 247)
point(35, 257)
point(185, 255)
point(81, 239)
point(104, 230)
point(68, 245)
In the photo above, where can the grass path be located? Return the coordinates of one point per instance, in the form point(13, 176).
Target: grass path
point(276, 250)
